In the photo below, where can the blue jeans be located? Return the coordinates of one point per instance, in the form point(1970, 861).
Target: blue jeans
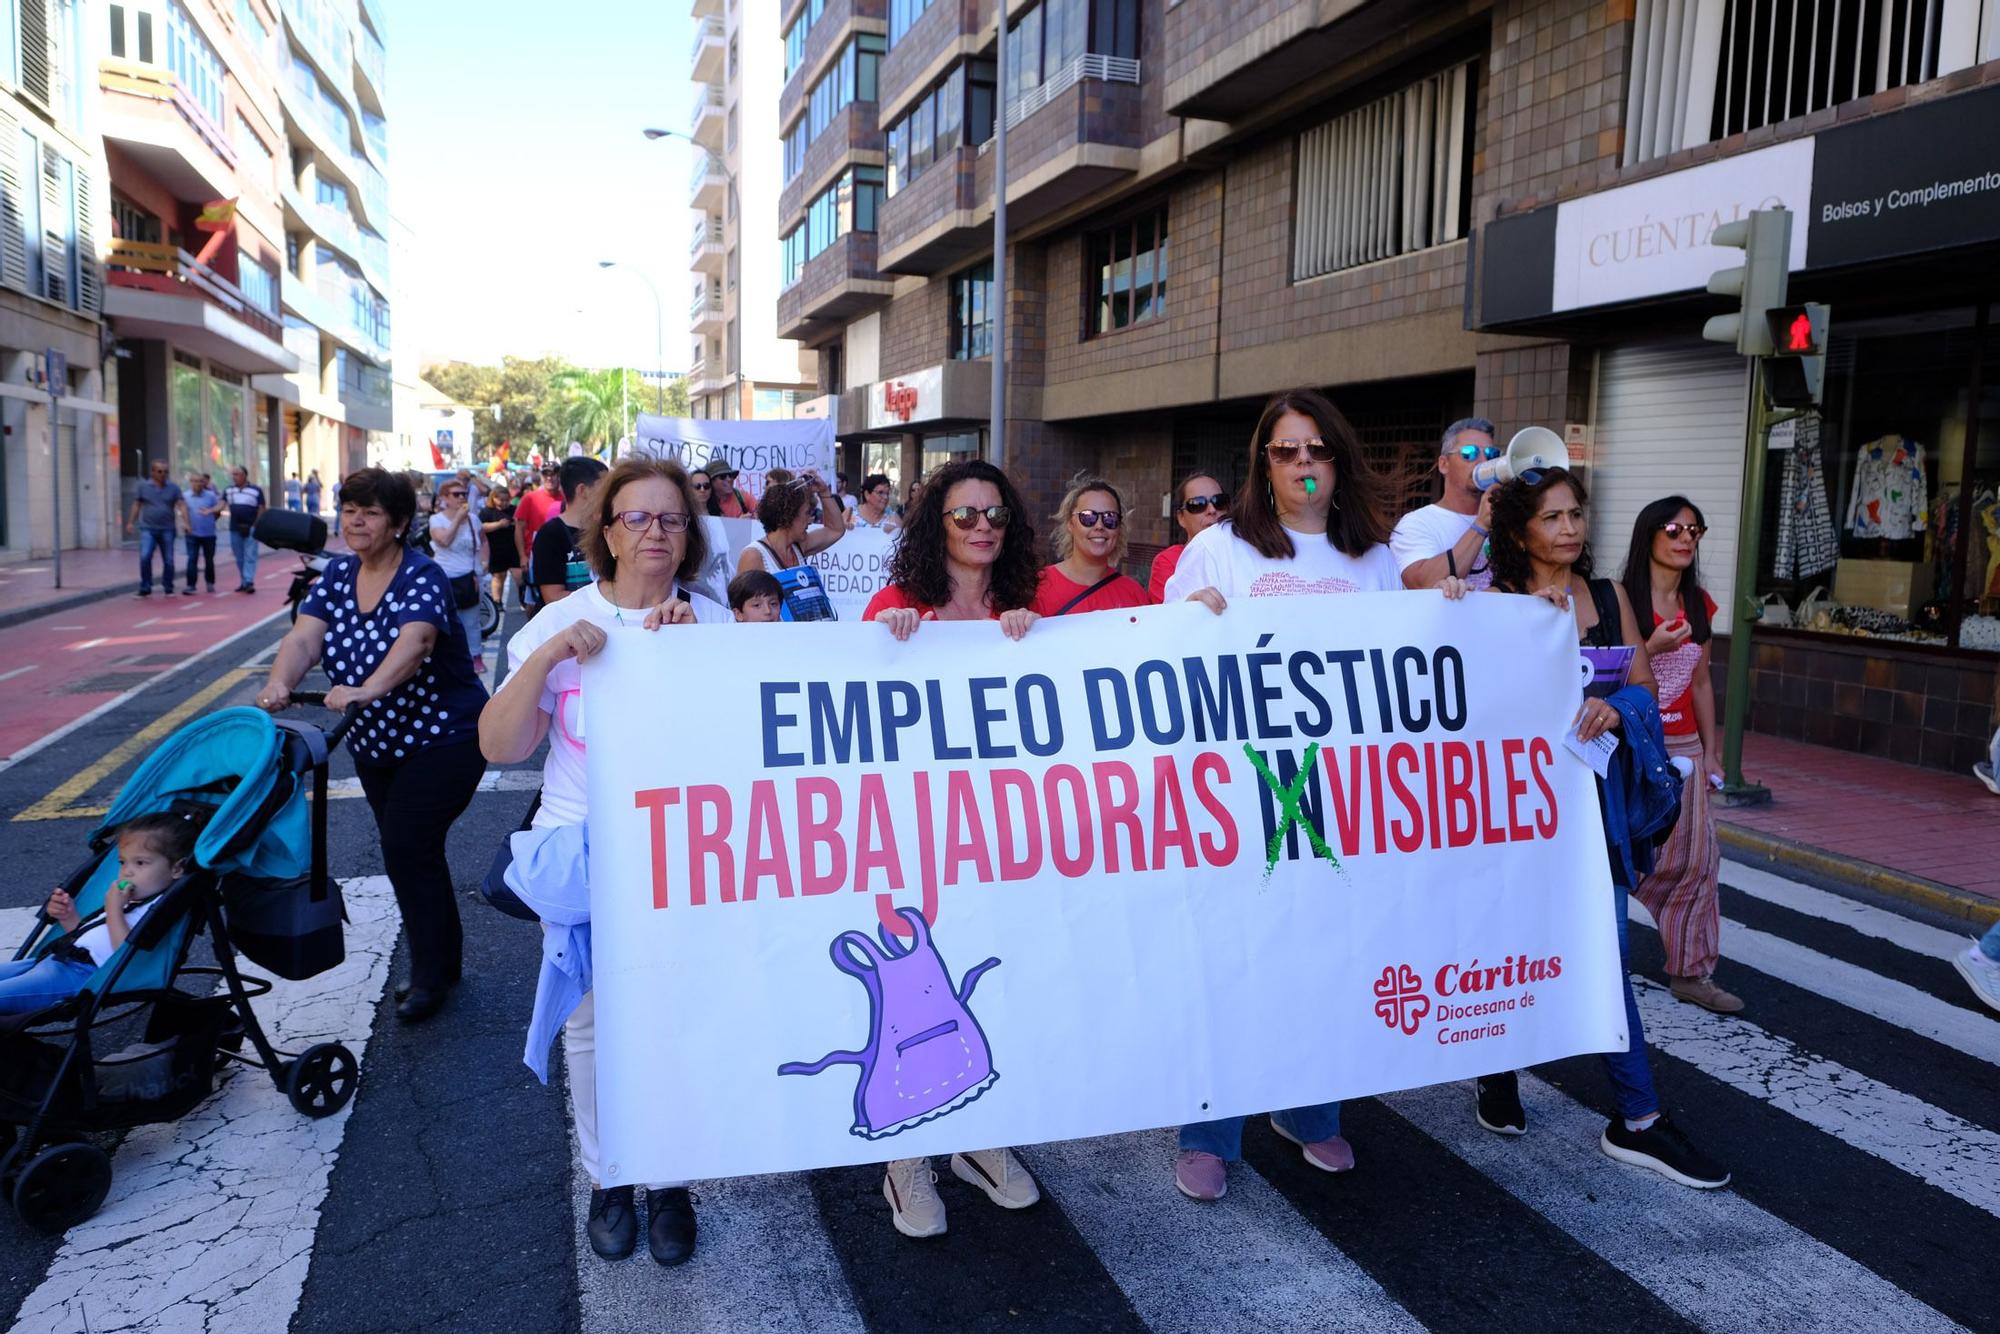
point(1989, 944)
point(1630, 1070)
point(162, 541)
point(28, 986)
point(1224, 1138)
point(244, 545)
point(200, 550)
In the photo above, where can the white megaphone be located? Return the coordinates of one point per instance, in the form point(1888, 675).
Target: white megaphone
point(1533, 451)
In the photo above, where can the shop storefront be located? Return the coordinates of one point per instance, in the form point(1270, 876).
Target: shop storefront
point(906, 426)
point(1877, 590)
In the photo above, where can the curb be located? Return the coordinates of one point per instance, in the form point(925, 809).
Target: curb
point(62, 604)
point(1853, 873)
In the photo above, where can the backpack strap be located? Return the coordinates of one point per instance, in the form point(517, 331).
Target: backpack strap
point(1084, 596)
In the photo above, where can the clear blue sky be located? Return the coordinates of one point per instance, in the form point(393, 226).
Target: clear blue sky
point(517, 160)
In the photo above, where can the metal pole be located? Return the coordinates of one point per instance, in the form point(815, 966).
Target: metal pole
point(997, 433)
point(55, 476)
point(1749, 523)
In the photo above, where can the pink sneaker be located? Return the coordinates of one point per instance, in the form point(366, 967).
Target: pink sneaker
point(1333, 1154)
point(1200, 1176)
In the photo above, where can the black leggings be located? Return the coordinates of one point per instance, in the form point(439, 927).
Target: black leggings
point(415, 802)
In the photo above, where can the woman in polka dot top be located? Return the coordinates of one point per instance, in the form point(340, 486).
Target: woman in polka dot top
point(384, 624)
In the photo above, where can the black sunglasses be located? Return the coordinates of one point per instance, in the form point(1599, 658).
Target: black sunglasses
point(1196, 504)
point(967, 516)
point(1091, 518)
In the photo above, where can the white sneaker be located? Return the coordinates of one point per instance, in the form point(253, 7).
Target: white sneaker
point(1000, 1174)
point(1983, 771)
point(1980, 973)
point(911, 1189)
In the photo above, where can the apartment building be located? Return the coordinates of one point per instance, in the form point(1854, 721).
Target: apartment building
point(1431, 209)
point(51, 186)
point(245, 266)
point(738, 365)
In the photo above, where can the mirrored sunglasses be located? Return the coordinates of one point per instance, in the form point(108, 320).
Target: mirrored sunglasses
point(1091, 518)
point(1694, 530)
point(1284, 451)
point(967, 516)
point(1473, 453)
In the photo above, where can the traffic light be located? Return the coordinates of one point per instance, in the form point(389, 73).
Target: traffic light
point(1765, 238)
point(1796, 367)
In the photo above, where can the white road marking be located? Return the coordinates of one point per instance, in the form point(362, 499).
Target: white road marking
point(210, 1221)
point(1863, 917)
point(493, 780)
point(1929, 1143)
point(37, 746)
point(19, 671)
point(84, 644)
point(1246, 1261)
point(1755, 1272)
point(150, 620)
point(1858, 989)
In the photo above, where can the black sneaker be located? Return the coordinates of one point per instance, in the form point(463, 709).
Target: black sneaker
point(1662, 1148)
point(614, 1223)
point(670, 1225)
point(1499, 1108)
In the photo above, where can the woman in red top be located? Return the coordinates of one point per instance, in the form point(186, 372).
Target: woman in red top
point(1198, 502)
point(1663, 582)
point(1090, 542)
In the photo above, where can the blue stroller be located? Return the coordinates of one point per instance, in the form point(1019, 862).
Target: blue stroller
point(258, 887)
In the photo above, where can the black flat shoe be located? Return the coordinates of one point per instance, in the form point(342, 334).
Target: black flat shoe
point(614, 1224)
point(420, 1003)
point(670, 1225)
point(451, 979)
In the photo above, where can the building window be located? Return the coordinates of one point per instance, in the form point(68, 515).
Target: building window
point(254, 31)
point(1126, 278)
point(1386, 178)
point(732, 56)
point(129, 222)
point(194, 62)
point(902, 14)
point(1046, 46)
point(972, 313)
point(795, 151)
point(957, 113)
point(854, 77)
point(850, 204)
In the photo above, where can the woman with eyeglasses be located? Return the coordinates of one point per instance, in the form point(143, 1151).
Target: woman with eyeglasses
point(1663, 582)
point(877, 494)
point(788, 509)
point(967, 554)
point(1090, 542)
point(645, 545)
point(1199, 501)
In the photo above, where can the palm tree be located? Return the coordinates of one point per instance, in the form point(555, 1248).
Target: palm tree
point(591, 406)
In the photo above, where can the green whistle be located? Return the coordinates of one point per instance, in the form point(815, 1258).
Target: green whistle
point(1312, 485)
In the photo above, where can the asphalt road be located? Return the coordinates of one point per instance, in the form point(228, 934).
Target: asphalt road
point(1857, 1099)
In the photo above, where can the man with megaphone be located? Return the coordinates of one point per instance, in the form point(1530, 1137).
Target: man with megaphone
point(1449, 537)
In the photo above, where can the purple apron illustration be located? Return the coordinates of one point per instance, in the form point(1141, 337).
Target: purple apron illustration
point(926, 1055)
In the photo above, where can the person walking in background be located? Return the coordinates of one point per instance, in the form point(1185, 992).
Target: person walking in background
point(336, 507)
point(1979, 965)
point(294, 495)
point(457, 545)
point(725, 500)
point(1199, 501)
point(558, 563)
point(313, 492)
point(1089, 542)
point(203, 503)
point(786, 511)
point(1663, 583)
point(246, 501)
point(872, 509)
point(536, 508)
point(157, 511)
point(1448, 537)
point(502, 556)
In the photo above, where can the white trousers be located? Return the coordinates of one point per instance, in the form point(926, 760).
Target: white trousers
point(580, 1054)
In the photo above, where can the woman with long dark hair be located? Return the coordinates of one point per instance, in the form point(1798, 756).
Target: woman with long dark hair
point(1663, 582)
point(1199, 501)
point(1540, 545)
point(967, 554)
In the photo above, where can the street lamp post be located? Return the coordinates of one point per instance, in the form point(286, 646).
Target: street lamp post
point(659, 336)
point(735, 210)
point(997, 430)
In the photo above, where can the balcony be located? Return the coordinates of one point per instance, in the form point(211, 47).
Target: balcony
point(708, 9)
point(706, 253)
point(149, 115)
point(161, 291)
point(836, 26)
point(708, 190)
point(1226, 60)
point(946, 32)
point(705, 315)
point(371, 61)
point(1077, 134)
point(365, 392)
point(941, 219)
point(706, 121)
point(374, 193)
point(853, 139)
point(838, 283)
point(708, 51)
point(324, 37)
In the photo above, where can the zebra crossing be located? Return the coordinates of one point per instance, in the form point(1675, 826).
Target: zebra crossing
point(1857, 1099)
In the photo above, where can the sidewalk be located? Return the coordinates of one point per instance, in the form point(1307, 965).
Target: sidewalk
point(1923, 835)
point(28, 590)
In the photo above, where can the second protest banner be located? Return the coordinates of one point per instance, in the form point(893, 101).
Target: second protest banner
point(874, 900)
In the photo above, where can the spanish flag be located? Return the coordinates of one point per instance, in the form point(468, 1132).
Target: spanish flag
point(218, 216)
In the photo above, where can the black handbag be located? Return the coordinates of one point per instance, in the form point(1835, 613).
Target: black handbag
point(494, 888)
point(465, 591)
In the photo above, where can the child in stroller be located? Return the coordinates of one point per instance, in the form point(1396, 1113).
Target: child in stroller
point(153, 852)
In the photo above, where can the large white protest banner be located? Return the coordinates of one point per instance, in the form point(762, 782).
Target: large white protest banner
point(875, 900)
point(753, 447)
point(855, 569)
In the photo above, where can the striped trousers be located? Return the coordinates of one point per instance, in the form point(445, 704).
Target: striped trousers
point(1681, 891)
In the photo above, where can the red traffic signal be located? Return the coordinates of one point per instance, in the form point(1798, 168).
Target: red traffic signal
point(1797, 331)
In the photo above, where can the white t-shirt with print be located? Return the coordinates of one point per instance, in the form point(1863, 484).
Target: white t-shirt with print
point(565, 789)
point(1217, 558)
point(1432, 531)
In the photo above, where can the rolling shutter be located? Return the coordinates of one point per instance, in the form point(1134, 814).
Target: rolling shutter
point(13, 213)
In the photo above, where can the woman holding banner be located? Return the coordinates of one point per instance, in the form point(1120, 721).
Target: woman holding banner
point(787, 511)
point(963, 557)
point(1540, 545)
point(1090, 543)
point(1199, 502)
point(1310, 520)
point(645, 545)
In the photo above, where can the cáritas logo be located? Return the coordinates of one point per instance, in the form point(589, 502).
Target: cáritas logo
point(1461, 991)
point(1399, 998)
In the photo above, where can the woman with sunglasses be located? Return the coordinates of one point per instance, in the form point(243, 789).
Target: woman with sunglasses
point(703, 490)
point(1447, 539)
point(1090, 543)
point(966, 555)
point(645, 544)
point(788, 509)
point(1199, 501)
point(458, 544)
point(1663, 583)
